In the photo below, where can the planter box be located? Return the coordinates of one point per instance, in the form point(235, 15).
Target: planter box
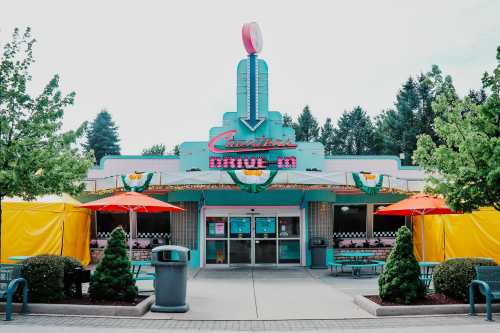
point(138, 254)
point(416, 310)
point(87, 310)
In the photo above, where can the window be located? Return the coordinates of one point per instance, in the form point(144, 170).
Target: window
point(386, 225)
point(153, 225)
point(349, 221)
point(149, 225)
point(107, 222)
point(216, 227)
point(289, 227)
point(216, 243)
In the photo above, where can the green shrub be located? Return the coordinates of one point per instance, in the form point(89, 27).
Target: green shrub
point(400, 281)
point(112, 279)
point(45, 280)
point(453, 277)
point(45, 276)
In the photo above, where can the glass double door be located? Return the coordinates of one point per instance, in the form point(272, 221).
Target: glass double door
point(253, 240)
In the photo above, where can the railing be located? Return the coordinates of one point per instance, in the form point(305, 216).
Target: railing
point(166, 179)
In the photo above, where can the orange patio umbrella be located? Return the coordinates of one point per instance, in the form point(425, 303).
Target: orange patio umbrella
point(418, 205)
point(133, 203)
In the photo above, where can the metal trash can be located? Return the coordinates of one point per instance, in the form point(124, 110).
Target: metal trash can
point(318, 246)
point(170, 263)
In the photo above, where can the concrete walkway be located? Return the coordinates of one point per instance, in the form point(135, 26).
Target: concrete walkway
point(247, 293)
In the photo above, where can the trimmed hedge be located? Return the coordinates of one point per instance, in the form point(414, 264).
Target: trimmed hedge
point(45, 276)
point(452, 278)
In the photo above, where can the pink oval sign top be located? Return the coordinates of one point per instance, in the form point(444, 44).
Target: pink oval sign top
point(252, 37)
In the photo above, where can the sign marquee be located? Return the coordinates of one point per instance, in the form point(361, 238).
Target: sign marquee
point(225, 143)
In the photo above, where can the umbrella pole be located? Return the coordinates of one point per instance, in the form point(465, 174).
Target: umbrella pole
point(132, 228)
point(423, 238)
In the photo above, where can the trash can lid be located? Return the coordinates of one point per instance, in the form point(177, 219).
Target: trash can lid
point(170, 248)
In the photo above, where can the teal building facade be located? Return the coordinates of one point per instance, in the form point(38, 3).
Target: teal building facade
point(255, 196)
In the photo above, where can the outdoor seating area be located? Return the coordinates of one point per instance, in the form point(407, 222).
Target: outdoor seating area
point(359, 263)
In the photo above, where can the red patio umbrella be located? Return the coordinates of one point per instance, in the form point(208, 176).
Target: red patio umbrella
point(133, 203)
point(418, 205)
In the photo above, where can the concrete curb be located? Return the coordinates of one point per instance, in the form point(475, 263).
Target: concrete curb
point(417, 310)
point(87, 310)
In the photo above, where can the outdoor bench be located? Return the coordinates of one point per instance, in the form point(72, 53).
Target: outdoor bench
point(488, 281)
point(10, 280)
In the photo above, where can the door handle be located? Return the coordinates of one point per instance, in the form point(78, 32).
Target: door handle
point(257, 242)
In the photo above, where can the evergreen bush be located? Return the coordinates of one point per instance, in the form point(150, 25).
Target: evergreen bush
point(453, 277)
point(400, 281)
point(112, 279)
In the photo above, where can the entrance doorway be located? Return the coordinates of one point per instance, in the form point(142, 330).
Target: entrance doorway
point(253, 239)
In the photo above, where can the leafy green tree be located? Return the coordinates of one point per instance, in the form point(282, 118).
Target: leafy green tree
point(477, 96)
point(327, 136)
point(102, 136)
point(36, 157)
point(354, 133)
point(287, 120)
point(158, 149)
point(112, 279)
point(400, 281)
point(306, 128)
point(464, 165)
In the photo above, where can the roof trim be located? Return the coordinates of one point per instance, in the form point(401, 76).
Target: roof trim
point(373, 157)
point(133, 157)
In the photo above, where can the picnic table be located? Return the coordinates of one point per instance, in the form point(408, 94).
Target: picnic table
point(356, 261)
point(136, 270)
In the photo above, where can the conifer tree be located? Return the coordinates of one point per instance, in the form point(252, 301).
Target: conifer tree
point(354, 133)
point(306, 128)
point(112, 279)
point(287, 120)
point(102, 136)
point(326, 137)
point(400, 281)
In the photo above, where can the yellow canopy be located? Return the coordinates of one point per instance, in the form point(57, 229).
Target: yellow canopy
point(475, 234)
point(48, 225)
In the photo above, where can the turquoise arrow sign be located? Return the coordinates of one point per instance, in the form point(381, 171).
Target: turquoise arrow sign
point(252, 120)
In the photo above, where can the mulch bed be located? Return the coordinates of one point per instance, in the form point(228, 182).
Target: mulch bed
point(431, 299)
point(85, 300)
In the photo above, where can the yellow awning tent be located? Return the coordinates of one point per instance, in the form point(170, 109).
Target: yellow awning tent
point(48, 225)
point(475, 234)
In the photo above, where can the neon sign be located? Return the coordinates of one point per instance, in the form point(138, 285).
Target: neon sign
point(246, 146)
point(287, 162)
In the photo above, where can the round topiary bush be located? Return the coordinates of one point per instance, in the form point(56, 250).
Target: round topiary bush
point(45, 276)
point(112, 279)
point(400, 281)
point(453, 277)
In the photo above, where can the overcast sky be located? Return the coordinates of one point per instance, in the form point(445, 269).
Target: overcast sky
point(166, 70)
